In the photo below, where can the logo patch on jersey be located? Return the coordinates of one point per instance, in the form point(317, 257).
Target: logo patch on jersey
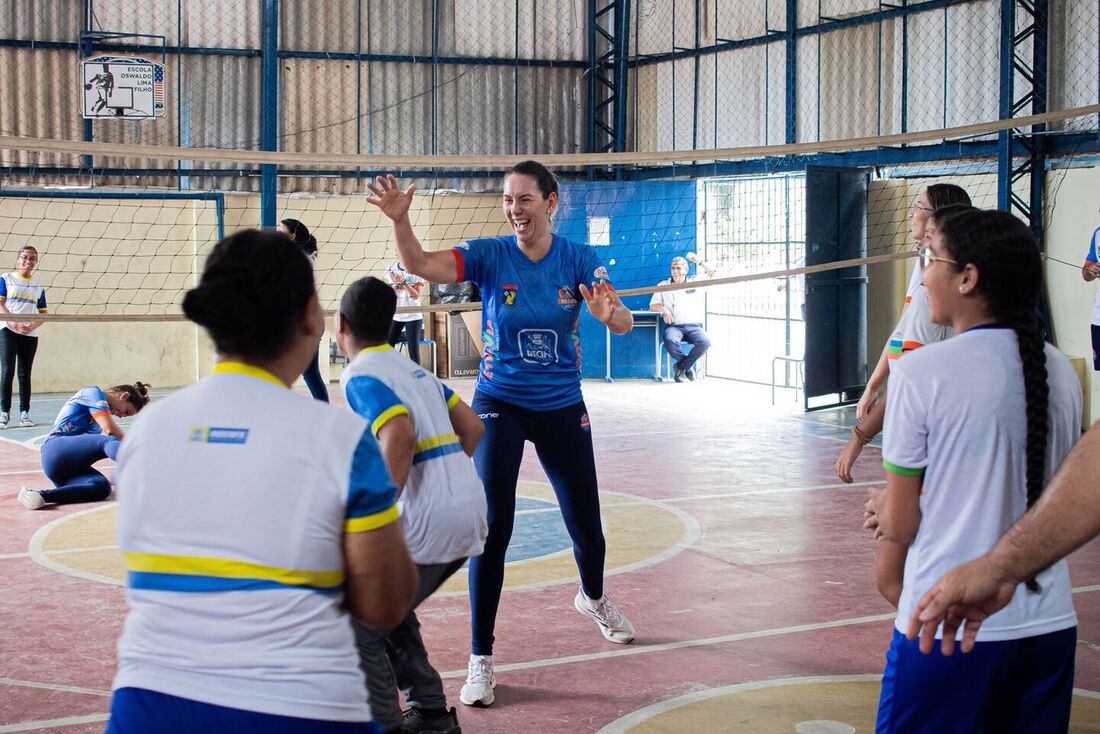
point(601, 273)
point(420, 374)
point(214, 434)
point(510, 292)
point(538, 346)
point(566, 298)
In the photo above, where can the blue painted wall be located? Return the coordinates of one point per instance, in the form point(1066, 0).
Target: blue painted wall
point(650, 223)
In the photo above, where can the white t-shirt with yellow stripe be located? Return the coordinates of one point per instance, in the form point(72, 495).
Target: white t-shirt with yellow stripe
point(234, 498)
point(443, 504)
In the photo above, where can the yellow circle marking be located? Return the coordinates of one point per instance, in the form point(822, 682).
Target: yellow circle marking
point(780, 706)
point(639, 532)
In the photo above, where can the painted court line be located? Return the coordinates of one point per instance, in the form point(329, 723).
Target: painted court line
point(635, 718)
point(683, 644)
point(53, 687)
point(53, 723)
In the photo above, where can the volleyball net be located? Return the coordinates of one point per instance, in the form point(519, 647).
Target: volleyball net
point(123, 231)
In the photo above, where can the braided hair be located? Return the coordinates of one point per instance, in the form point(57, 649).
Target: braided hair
point(1004, 251)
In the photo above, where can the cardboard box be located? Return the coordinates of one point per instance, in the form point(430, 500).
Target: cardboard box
point(459, 353)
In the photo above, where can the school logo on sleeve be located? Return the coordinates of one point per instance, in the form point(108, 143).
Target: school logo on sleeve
point(601, 274)
point(566, 298)
point(510, 292)
point(538, 346)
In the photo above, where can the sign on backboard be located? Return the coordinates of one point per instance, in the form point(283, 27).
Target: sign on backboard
point(129, 87)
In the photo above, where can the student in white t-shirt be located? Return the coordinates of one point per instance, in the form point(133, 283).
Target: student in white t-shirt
point(913, 330)
point(1090, 272)
point(427, 435)
point(407, 287)
point(20, 294)
point(255, 523)
point(976, 426)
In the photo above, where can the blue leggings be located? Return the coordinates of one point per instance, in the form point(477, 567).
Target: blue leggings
point(67, 461)
point(563, 442)
point(314, 381)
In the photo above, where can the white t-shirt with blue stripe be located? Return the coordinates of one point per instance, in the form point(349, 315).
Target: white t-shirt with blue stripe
point(22, 296)
point(234, 498)
point(443, 505)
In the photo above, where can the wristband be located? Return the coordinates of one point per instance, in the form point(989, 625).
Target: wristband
point(860, 436)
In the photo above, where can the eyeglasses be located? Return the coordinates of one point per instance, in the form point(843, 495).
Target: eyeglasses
point(917, 206)
point(927, 258)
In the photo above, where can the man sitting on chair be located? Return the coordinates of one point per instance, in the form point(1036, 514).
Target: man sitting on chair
point(683, 311)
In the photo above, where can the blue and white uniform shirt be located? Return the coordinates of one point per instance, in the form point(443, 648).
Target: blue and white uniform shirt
point(530, 318)
point(22, 295)
point(1093, 256)
point(235, 497)
point(78, 414)
point(443, 505)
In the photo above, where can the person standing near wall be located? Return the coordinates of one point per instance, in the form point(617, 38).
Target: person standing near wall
point(407, 287)
point(19, 294)
point(299, 234)
point(1090, 272)
point(684, 312)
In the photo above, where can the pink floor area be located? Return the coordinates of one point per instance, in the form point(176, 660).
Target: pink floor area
point(774, 582)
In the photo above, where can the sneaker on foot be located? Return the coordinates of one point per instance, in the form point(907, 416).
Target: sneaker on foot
point(30, 499)
point(614, 626)
point(690, 374)
point(415, 721)
point(480, 682)
point(4, 418)
point(25, 420)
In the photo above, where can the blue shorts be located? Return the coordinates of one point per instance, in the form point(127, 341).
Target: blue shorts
point(1010, 687)
point(140, 711)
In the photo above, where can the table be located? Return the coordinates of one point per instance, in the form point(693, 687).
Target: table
point(645, 320)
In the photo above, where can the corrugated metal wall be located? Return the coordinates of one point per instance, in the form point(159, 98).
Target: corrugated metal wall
point(851, 82)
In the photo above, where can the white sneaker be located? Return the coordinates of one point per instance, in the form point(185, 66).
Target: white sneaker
point(25, 420)
point(4, 418)
point(480, 682)
point(614, 626)
point(30, 499)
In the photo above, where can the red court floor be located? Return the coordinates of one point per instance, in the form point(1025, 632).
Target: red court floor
point(733, 548)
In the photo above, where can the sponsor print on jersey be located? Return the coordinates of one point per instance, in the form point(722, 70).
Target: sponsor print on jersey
point(510, 292)
point(566, 299)
point(538, 346)
point(214, 434)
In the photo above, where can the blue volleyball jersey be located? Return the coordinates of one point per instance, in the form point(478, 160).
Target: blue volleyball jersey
point(78, 414)
point(530, 318)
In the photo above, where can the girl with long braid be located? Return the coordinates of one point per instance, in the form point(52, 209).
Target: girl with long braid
point(977, 424)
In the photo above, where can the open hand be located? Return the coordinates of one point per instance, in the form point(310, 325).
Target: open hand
point(965, 597)
point(847, 459)
point(601, 300)
point(389, 197)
